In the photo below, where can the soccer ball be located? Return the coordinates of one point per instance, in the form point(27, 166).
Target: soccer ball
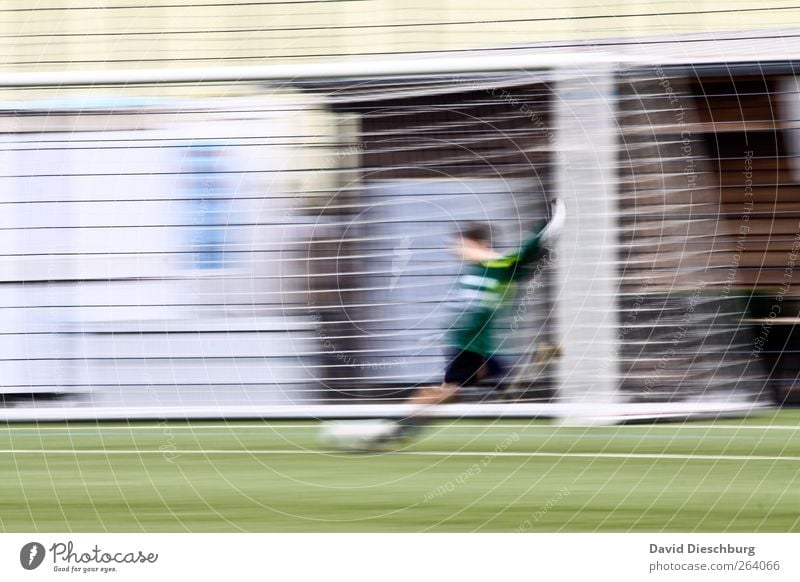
point(354, 435)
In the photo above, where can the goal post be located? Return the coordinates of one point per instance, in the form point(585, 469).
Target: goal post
point(588, 274)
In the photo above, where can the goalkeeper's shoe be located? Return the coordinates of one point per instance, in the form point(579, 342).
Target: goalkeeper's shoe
point(403, 429)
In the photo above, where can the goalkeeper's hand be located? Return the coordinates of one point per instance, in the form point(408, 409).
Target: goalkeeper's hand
point(556, 223)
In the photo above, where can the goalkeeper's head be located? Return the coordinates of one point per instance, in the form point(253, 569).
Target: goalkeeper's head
point(474, 243)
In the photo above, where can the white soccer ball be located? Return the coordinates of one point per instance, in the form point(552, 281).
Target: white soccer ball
point(355, 434)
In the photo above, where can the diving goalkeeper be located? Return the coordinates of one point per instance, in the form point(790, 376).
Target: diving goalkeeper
point(482, 288)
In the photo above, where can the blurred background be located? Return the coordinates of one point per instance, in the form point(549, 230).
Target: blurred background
point(185, 241)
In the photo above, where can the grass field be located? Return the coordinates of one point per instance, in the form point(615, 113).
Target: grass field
point(732, 475)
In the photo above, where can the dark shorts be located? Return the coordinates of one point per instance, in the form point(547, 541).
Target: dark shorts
point(465, 368)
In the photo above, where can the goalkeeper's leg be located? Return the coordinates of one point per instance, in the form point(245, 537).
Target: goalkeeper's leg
point(423, 401)
point(463, 368)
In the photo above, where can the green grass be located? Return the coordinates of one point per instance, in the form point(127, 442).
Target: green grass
point(272, 476)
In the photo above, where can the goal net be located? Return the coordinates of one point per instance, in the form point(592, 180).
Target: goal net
point(265, 244)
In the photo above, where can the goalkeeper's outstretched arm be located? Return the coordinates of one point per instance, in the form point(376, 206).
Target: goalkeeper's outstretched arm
point(545, 238)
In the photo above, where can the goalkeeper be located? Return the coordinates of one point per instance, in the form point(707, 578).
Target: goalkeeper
point(482, 289)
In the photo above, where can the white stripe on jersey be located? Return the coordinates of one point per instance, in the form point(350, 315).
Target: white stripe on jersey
point(479, 282)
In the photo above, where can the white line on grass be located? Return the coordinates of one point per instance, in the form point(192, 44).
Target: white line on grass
point(290, 426)
point(405, 453)
point(647, 435)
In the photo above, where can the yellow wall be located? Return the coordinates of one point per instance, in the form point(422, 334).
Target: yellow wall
point(75, 37)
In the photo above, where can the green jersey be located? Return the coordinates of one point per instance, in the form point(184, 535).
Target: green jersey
point(482, 290)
